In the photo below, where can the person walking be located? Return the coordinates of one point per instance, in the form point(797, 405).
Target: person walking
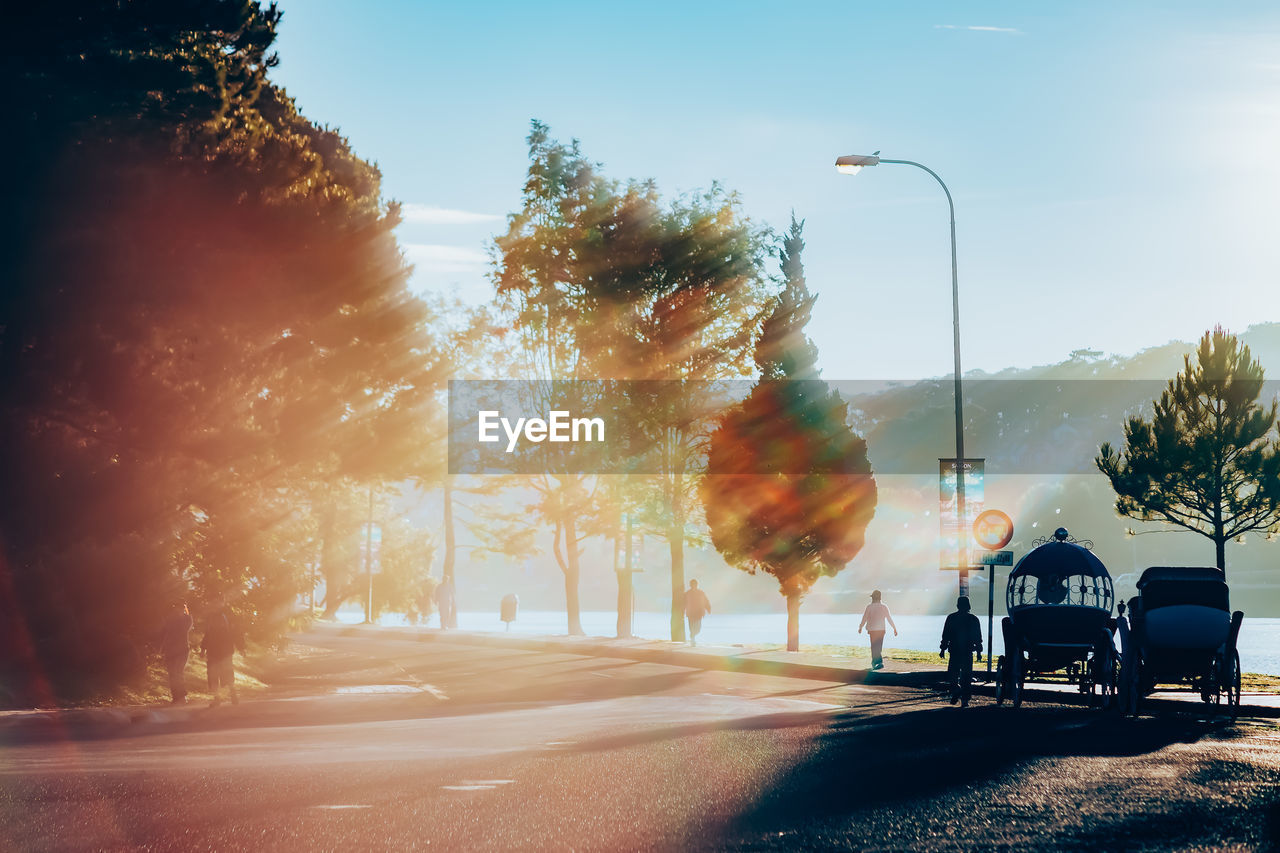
point(873, 619)
point(962, 636)
point(696, 606)
point(219, 646)
point(175, 648)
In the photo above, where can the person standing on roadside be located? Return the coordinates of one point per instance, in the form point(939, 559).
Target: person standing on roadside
point(962, 636)
point(219, 647)
point(873, 619)
point(696, 606)
point(175, 648)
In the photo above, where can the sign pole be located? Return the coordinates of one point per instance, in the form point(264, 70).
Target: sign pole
point(368, 559)
point(626, 592)
point(991, 615)
point(993, 530)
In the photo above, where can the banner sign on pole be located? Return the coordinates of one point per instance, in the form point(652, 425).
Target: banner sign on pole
point(955, 531)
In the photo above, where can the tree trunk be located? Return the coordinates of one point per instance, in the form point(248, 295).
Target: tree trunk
point(1220, 546)
point(793, 622)
point(675, 541)
point(624, 604)
point(572, 570)
point(332, 573)
point(449, 620)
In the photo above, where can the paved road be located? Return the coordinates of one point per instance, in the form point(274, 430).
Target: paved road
point(454, 747)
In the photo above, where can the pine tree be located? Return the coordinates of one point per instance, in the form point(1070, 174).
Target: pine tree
point(1209, 459)
point(789, 489)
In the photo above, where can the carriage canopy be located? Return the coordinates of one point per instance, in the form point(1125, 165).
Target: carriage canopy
point(1060, 572)
point(1169, 586)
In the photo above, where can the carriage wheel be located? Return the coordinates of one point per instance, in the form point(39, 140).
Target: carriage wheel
point(1128, 684)
point(1105, 673)
point(1213, 681)
point(1002, 677)
point(1216, 680)
point(1113, 672)
point(1231, 682)
point(1017, 678)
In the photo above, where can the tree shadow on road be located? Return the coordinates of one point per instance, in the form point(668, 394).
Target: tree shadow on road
point(862, 763)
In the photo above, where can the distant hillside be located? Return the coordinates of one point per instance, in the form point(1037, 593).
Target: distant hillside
point(1039, 430)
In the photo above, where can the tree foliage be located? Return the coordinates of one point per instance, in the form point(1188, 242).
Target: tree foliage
point(1209, 458)
point(204, 312)
point(605, 281)
point(789, 490)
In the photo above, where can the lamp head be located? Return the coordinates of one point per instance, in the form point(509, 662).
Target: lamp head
point(852, 164)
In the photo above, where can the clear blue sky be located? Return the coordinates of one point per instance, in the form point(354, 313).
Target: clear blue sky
point(1114, 166)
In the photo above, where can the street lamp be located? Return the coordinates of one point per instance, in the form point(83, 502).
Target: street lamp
point(852, 165)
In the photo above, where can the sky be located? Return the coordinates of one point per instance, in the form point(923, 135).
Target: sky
point(1113, 166)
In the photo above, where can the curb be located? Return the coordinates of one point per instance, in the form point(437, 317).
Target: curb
point(645, 651)
point(688, 657)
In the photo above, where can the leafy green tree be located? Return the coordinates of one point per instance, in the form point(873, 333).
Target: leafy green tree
point(604, 281)
point(789, 490)
point(478, 350)
point(204, 315)
point(1209, 458)
point(403, 583)
point(542, 288)
point(694, 328)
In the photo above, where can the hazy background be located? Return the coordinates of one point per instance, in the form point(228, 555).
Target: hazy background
point(1113, 170)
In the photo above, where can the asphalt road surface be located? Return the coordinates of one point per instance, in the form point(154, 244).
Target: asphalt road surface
point(435, 745)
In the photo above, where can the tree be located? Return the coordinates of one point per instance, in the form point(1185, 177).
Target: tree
point(789, 489)
point(605, 282)
point(403, 584)
point(541, 291)
point(205, 312)
point(1209, 458)
point(694, 327)
point(476, 344)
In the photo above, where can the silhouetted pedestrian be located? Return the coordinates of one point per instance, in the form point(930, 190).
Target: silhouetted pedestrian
point(696, 607)
point(221, 639)
point(873, 619)
point(175, 648)
point(1127, 686)
point(962, 636)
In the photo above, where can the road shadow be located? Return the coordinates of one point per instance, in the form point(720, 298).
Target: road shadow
point(862, 763)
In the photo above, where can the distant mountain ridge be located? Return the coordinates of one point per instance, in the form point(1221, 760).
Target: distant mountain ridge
point(1039, 429)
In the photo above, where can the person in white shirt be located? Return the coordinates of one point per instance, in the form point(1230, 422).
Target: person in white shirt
point(873, 619)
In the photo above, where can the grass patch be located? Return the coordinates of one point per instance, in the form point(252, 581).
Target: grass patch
point(1255, 682)
point(857, 654)
point(153, 687)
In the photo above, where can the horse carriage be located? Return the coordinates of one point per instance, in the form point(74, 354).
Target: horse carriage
point(1059, 628)
point(1181, 631)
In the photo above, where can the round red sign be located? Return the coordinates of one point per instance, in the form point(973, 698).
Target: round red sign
point(993, 529)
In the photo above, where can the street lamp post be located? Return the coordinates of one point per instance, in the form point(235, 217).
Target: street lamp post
point(851, 165)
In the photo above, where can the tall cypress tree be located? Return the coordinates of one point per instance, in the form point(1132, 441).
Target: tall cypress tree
point(789, 489)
